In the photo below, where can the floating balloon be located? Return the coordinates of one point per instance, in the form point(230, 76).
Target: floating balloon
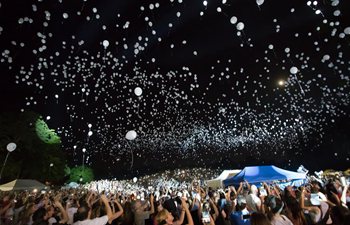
point(240, 26)
point(233, 20)
point(293, 70)
point(134, 179)
point(259, 2)
point(11, 147)
point(131, 135)
point(105, 43)
point(347, 30)
point(138, 91)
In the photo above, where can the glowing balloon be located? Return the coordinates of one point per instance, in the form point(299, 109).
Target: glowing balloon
point(259, 2)
point(240, 26)
point(131, 135)
point(347, 30)
point(138, 91)
point(11, 147)
point(233, 20)
point(134, 179)
point(105, 43)
point(293, 70)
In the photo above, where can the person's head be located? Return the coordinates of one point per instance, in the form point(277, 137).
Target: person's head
point(241, 203)
point(137, 205)
point(289, 192)
point(83, 213)
point(164, 217)
point(259, 219)
point(228, 208)
point(274, 204)
point(39, 215)
point(339, 214)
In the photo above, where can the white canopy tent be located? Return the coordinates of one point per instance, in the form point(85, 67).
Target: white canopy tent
point(22, 184)
point(217, 182)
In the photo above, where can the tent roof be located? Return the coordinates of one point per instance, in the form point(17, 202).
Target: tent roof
point(256, 174)
point(22, 184)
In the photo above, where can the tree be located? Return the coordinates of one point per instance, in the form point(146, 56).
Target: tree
point(80, 174)
point(32, 157)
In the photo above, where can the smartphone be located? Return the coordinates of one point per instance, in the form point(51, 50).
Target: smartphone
point(263, 192)
point(245, 217)
point(205, 217)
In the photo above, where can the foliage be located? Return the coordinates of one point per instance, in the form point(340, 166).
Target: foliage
point(47, 135)
point(78, 172)
point(32, 157)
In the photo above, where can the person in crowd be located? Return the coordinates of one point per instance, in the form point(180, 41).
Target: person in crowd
point(128, 215)
point(253, 201)
point(241, 215)
point(44, 216)
point(258, 218)
point(165, 218)
point(275, 207)
point(83, 215)
point(294, 212)
point(140, 214)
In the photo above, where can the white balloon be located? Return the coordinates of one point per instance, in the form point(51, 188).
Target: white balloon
point(240, 26)
point(131, 135)
point(259, 2)
point(347, 30)
point(138, 91)
point(11, 147)
point(293, 70)
point(105, 43)
point(233, 20)
point(134, 179)
point(90, 133)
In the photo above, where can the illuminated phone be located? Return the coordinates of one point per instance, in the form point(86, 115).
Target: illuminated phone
point(205, 217)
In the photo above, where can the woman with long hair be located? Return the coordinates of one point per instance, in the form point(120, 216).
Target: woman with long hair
point(294, 212)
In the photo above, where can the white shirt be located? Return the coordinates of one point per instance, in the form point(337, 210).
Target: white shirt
point(97, 221)
point(71, 211)
point(281, 220)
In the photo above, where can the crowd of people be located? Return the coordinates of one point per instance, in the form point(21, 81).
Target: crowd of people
point(315, 202)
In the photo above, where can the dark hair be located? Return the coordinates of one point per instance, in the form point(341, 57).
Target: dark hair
point(294, 207)
point(259, 219)
point(339, 214)
point(39, 215)
point(279, 205)
point(82, 213)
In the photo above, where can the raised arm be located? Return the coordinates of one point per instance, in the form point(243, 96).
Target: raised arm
point(119, 212)
point(107, 207)
point(216, 211)
point(343, 196)
point(64, 213)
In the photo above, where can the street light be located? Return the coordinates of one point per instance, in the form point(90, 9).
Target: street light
point(10, 148)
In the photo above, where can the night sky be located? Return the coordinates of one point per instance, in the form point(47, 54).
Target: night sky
point(220, 84)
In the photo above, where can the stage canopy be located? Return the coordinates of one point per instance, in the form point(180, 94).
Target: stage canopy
point(22, 184)
point(217, 182)
point(257, 174)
